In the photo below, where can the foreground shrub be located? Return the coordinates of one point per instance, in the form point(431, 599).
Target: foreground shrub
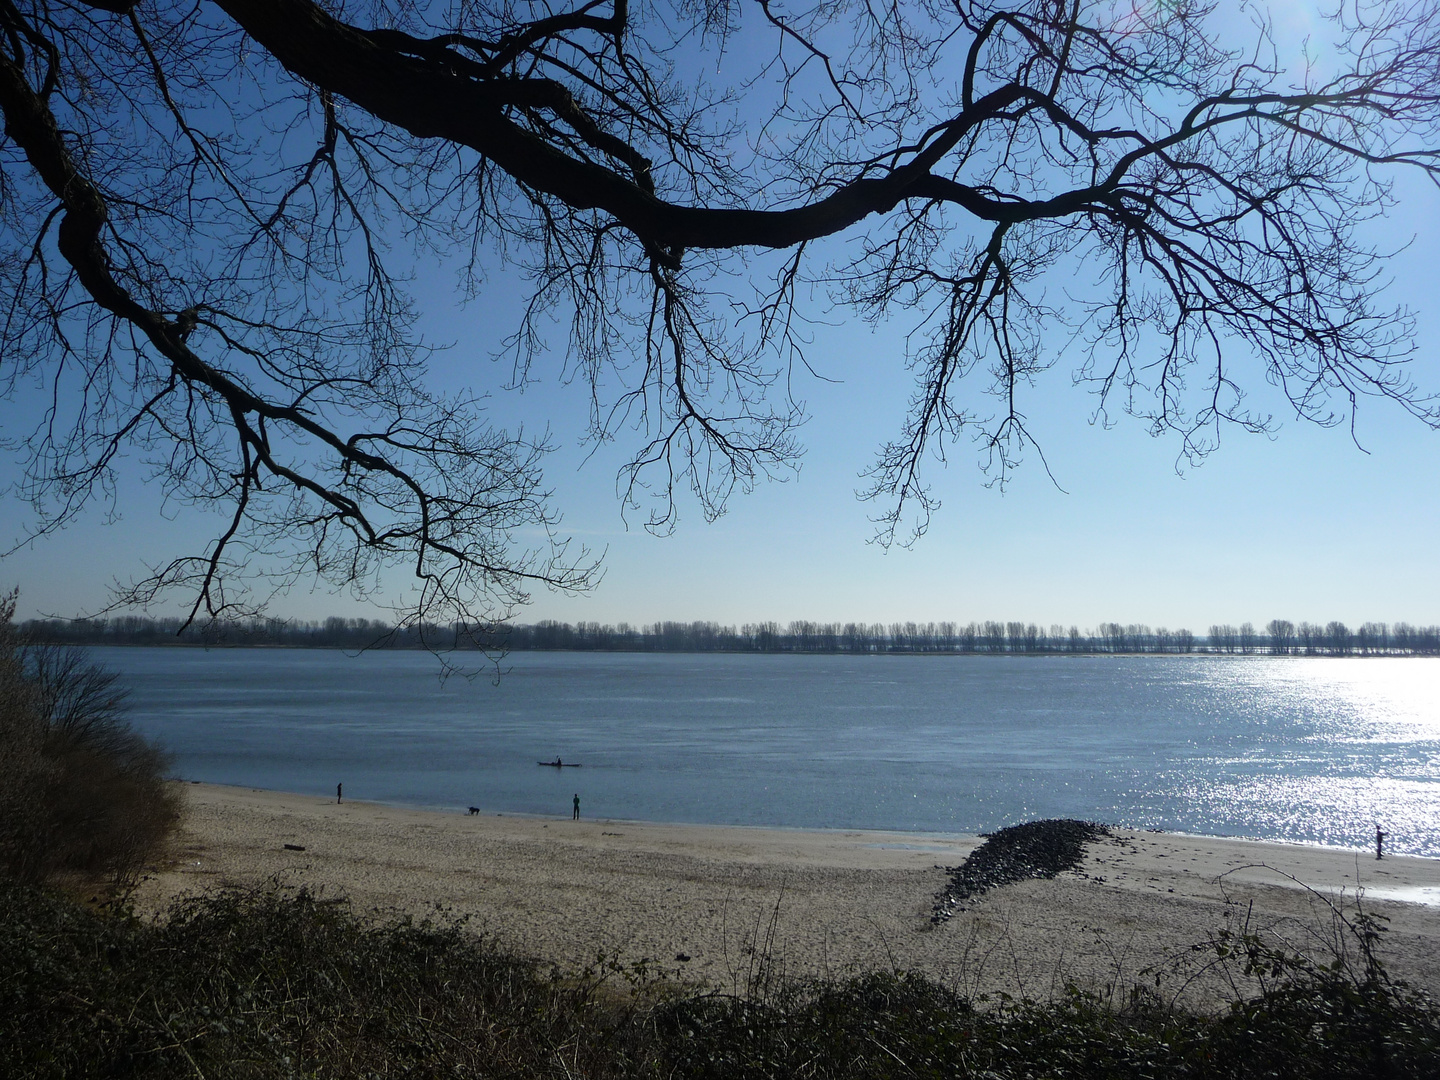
point(82, 793)
point(264, 984)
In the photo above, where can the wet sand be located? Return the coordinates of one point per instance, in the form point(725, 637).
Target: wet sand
point(723, 906)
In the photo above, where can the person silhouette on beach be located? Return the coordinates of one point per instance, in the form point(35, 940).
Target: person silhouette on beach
point(576, 815)
point(338, 788)
point(1379, 843)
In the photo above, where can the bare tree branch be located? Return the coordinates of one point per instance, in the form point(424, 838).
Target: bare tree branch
point(200, 208)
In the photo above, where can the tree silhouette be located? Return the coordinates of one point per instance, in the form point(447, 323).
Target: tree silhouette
point(210, 212)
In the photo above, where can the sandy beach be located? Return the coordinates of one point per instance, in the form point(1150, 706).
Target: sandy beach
point(712, 904)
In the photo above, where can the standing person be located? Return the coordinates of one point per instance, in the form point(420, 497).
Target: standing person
point(576, 815)
point(338, 788)
point(1379, 843)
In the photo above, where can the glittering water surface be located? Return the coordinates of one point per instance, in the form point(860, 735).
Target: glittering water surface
point(1296, 749)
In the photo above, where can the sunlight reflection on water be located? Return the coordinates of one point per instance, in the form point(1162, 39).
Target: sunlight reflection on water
point(1384, 699)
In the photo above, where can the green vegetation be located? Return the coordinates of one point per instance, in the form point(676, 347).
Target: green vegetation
point(82, 795)
point(265, 984)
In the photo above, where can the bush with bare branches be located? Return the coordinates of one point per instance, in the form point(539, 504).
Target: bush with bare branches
point(82, 794)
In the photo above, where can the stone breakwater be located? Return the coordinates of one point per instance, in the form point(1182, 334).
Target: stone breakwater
point(1036, 849)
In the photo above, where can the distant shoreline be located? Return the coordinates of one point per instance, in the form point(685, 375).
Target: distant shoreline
point(1279, 637)
point(1195, 654)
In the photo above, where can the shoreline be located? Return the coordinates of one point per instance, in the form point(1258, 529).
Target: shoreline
point(707, 903)
point(447, 811)
point(1201, 652)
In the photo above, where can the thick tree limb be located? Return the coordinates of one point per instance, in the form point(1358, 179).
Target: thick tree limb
point(428, 97)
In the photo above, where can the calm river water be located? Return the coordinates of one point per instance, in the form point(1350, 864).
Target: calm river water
point(1295, 749)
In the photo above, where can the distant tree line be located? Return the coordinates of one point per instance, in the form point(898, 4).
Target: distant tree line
point(1279, 637)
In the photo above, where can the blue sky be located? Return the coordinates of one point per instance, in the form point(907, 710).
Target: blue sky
point(1304, 525)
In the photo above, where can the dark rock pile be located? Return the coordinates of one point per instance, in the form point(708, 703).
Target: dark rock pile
point(1036, 849)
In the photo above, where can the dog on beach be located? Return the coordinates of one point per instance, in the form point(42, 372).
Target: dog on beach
point(474, 810)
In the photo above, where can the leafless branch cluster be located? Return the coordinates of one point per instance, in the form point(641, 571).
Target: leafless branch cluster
point(203, 207)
